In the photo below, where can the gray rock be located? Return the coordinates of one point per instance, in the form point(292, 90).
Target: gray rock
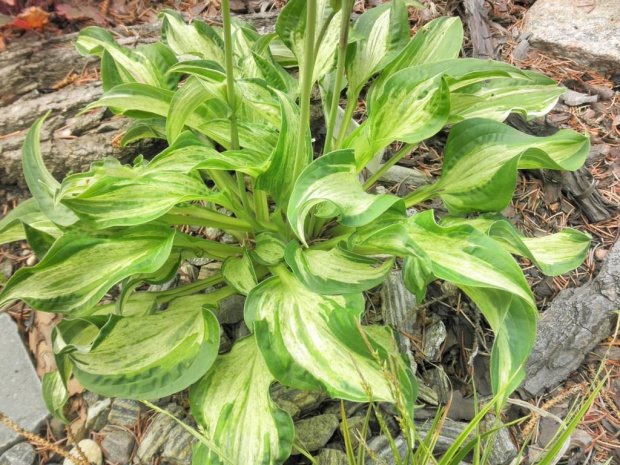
point(438, 381)
point(305, 401)
point(403, 175)
point(240, 330)
point(6, 269)
point(355, 426)
point(382, 450)
point(90, 449)
point(228, 239)
point(178, 448)
point(314, 432)
point(231, 309)
point(575, 322)
point(332, 457)
point(587, 33)
point(125, 412)
point(156, 436)
point(434, 336)
point(503, 450)
point(20, 454)
point(397, 305)
point(98, 413)
point(91, 398)
point(225, 342)
point(21, 399)
point(118, 445)
point(574, 99)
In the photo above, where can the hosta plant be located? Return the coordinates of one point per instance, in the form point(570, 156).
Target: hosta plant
point(310, 237)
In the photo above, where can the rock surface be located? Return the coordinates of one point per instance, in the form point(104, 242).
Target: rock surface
point(314, 432)
point(20, 454)
point(20, 390)
point(587, 32)
point(118, 445)
point(91, 450)
point(574, 323)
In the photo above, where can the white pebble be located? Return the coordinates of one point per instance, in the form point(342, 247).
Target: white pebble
point(91, 450)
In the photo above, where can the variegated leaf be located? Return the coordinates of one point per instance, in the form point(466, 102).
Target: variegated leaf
point(26, 213)
point(383, 32)
point(79, 268)
point(335, 271)
point(239, 273)
point(232, 403)
point(481, 161)
point(331, 184)
point(554, 254)
point(269, 249)
point(145, 357)
point(478, 265)
point(313, 342)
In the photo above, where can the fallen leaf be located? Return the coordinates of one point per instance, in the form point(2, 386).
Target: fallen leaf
point(34, 17)
point(616, 120)
point(40, 341)
point(80, 13)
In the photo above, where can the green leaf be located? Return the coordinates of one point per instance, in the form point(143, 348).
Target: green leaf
point(232, 403)
point(26, 213)
point(41, 183)
point(384, 31)
point(441, 39)
point(154, 128)
point(331, 184)
point(79, 269)
point(554, 254)
point(197, 39)
point(284, 166)
point(478, 265)
point(481, 161)
point(534, 95)
point(55, 395)
point(239, 273)
point(412, 105)
point(146, 65)
point(143, 357)
point(335, 271)
point(291, 28)
point(269, 249)
point(313, 341)
point(115, 195)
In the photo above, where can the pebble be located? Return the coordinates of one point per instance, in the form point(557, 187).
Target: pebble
point(332, 457)
point(20, 454)
point(178, 447)
point(125, 412)
point(156, 436)
point(314, 432)
point(575, 99)
point(305, 401)
point(97, 416)
point(355, 425)
point(118, 445)
point(434, 336)
point(231, 309)
point(91, 450)
point(600, 254)
point(31, 261)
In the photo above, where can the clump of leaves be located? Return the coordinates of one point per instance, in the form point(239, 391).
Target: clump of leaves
point(311, 240)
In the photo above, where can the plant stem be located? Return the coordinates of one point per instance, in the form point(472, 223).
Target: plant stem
point(346, 119)
point(189, 289)
point(306, 82)
point(342, 58)
point(232, 100)
point(201, 216)
point(404, 150)
point(419, 195)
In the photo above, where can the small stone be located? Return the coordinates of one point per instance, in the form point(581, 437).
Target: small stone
point(231, 309)
point(438, 381)
point(124, 412)
point(156, 436)
point(314, 432)
point(403, 175)
point(228, 239)
point(91, 450)
point(600, 254)
point(91, 398)
point(435, 334)
point(355, 425)
point(21, 399)
point(6, 268)
point(57, 428)
point(306, 401)
point(503, 450)
point(178, 448)
point(20, 454)
point(380, 190)
point(575, 99)
point(225, 342)
point(97, 415)
point(209, 270)
point(332, 457)
point(213, 233)
point(118, 445)
point(240, 330)
point(382, 450)
point(30, 261)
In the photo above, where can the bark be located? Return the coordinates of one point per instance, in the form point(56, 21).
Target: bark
point(575, 322)
point(476, 17)
point(69, 142)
